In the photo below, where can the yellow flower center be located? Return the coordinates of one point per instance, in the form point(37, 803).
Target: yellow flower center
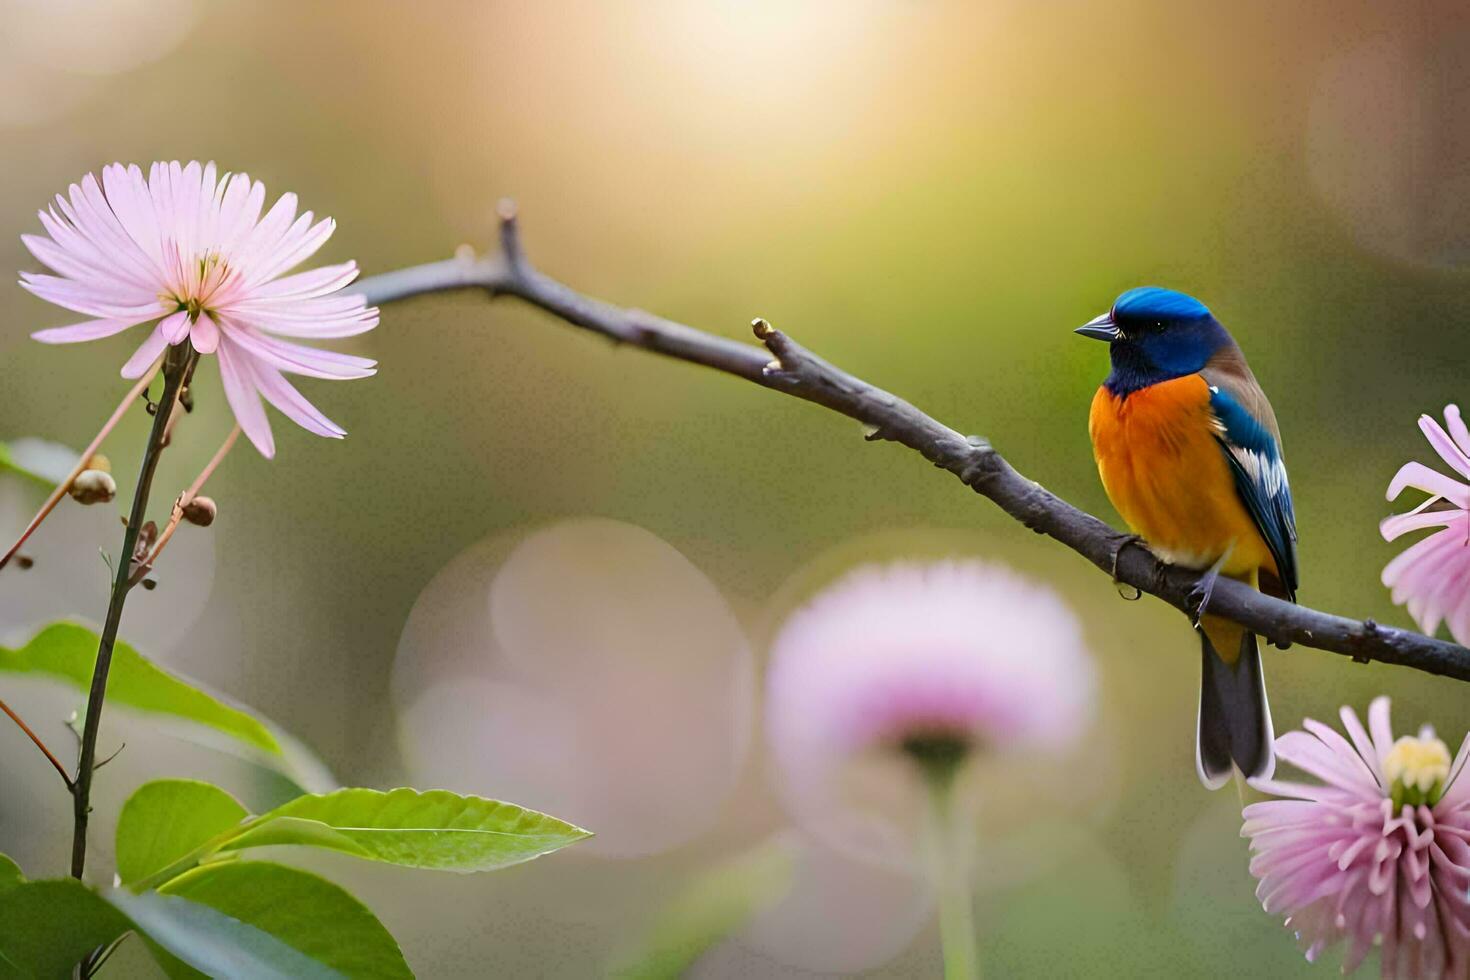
point(1416, 770)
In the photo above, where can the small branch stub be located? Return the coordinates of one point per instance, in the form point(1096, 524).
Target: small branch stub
point(510, 238)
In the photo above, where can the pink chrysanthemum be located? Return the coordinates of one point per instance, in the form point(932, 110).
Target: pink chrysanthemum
point(1376, 853)
point(188, 251)
point(895, 661)
point(1433, 575)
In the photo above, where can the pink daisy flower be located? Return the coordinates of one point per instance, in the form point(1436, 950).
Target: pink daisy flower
point(1374, 854)
point(187, 251)
point(1433, 575)
point(895, 663)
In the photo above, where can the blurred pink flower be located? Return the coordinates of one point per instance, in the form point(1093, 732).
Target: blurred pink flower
point(188, 248)
point(1433, 575)
point(1374, 854)
point(962, 652)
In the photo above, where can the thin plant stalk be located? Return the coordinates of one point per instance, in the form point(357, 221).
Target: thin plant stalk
point(36, 740)
point(86, 457)
point(177, 514)
point(947, 854)
point(176, 365)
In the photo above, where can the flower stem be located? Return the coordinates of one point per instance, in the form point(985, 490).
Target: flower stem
point(36, 739)
point(949, 866)
point(177, 514)
point(81, 464)
point(176, 364)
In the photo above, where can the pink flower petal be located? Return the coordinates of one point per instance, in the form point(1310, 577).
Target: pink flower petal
point(1444, 445)
point(91, 299)
point(175, 327)
point(326, 327)
point(147, 353)
point(127, 193)
point(1362, 744)
point(1421, 477)
point(308, 285)
point(88, 330)
point(280, 393)
point(1457, 790)
point(265, 237)
point(244, 399)
point(298, 245)
point(126, 249)
point(1416, 520)
point(1343, 866)
point(1378, 725)
point(205, 334)
point(1341, 758)
point(1415, 556)
point(297, 359)
point(1456, 426)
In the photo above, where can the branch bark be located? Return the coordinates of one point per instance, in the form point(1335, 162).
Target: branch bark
point(784, 365)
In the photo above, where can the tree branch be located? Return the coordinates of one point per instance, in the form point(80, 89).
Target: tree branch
point(786, 366)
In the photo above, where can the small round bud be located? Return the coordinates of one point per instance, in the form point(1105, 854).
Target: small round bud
point(200, 511)
point(93, 487)
point(99, 462)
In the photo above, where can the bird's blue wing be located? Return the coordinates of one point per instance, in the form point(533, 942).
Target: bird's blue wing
point(1260, 479)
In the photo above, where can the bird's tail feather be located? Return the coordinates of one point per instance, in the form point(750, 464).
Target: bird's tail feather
point(1234, 718)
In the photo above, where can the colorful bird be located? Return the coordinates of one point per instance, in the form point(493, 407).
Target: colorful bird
point(1190, 455)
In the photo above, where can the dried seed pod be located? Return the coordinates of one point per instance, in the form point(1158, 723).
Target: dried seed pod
point(93, 487)
point(200, 511)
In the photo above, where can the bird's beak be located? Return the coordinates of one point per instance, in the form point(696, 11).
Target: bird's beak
point(1100, 328)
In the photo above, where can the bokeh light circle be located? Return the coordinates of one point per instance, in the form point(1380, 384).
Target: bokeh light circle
point(586, 669)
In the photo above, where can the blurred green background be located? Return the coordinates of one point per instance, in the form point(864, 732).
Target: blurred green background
point(929, 194)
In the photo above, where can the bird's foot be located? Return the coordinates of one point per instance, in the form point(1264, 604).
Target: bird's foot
point(1199, 596)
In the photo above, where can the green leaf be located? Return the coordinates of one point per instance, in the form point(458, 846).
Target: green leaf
point(10, 873)
point(68, 652)
point(166, 820)
point(41, 460)
point(709, 908)
point(172, 967)
point(256, 919)
point(46, 927)
point(10, 877)
point(437, 829)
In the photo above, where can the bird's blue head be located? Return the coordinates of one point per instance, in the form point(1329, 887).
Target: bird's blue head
point(1156, 334)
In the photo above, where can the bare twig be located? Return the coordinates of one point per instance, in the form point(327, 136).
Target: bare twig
point(87, 454)
point(36, 739)
point(784, 365)
point(177, 514)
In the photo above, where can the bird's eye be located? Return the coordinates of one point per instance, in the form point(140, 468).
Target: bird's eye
point(1158, 326)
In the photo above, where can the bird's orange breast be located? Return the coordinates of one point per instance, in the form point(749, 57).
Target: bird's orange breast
point(1164, 471)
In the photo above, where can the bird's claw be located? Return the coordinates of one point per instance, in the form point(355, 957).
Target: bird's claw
point(1199, 595)
point(1199, 600)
